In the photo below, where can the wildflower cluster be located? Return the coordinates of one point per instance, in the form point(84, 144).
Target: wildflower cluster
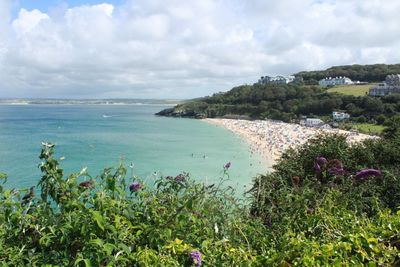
point(335, 167)
point(135, 186)
point(321, 164)
point(367, 173)
point(195, 255)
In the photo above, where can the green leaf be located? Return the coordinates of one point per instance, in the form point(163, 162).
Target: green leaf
point(97, 242)
point(125, 248)
point(3, 177)
point(138, 233)
point(98, 218)
point(85, 261)
point(109, 248)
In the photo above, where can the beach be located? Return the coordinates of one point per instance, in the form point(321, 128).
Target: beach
point(271, 138)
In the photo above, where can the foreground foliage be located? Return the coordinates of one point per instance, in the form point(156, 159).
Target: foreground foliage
point(325, 204)
point(104, 221)
point(328, 203)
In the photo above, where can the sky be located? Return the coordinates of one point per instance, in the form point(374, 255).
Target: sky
point(182, 49)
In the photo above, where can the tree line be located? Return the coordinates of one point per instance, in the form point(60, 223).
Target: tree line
point(365, 73)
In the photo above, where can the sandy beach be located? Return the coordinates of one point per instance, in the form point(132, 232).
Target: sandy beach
point(270, 138)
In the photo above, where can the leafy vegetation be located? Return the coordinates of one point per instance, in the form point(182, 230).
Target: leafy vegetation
point(326, 203)
point(365, 73)
point(112, 220)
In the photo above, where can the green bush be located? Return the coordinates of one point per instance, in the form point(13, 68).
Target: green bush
point(380, 119)
point(362, 119)
point(329, 203)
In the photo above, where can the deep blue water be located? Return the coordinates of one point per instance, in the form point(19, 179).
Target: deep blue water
point(99, 136)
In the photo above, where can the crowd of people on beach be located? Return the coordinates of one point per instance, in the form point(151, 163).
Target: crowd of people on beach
point(270, 138)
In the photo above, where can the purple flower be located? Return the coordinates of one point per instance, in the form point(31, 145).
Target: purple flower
point(364, 174)
point(335, 167)
point(135, 186)
point(227, 165)
point(180, 178)
point(86, 184)
point(317, 168)
point(195, 255)
point(319, 163)
point(336, 170)
point(321, 160)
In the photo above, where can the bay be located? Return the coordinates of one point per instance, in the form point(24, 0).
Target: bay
point(99, 136)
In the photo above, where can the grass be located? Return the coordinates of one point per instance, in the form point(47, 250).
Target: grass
point(356, 90)
point(368, 128)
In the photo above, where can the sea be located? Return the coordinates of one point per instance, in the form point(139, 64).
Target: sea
point(100, 136)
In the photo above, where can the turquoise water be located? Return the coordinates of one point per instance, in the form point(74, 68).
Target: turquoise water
point(99, 136)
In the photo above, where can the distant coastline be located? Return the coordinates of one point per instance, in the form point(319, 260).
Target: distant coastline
point(271, 138)
point(23, 101)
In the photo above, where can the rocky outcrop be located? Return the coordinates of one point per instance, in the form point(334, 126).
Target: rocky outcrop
point(179, 112)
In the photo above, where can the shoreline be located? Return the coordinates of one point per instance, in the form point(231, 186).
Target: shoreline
point(271, 138)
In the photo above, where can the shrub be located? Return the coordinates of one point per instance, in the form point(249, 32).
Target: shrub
point(327, 203)
point(380, 119)
point(362, 119)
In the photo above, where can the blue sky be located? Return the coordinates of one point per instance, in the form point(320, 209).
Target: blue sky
point(183, 49)
point(43, 5)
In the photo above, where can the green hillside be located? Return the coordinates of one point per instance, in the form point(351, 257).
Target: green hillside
point(289, 102)
point(355, 90)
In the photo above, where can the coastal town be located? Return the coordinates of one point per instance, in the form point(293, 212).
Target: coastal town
point(391, 85)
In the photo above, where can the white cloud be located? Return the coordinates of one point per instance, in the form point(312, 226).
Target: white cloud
point(27, 21)
point(170, 48)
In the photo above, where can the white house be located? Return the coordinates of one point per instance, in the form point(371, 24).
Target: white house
point(339, 115)
point(335, 81)
point(276, 80)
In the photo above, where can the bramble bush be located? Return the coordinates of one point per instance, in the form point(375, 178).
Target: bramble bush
point(325, 204)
